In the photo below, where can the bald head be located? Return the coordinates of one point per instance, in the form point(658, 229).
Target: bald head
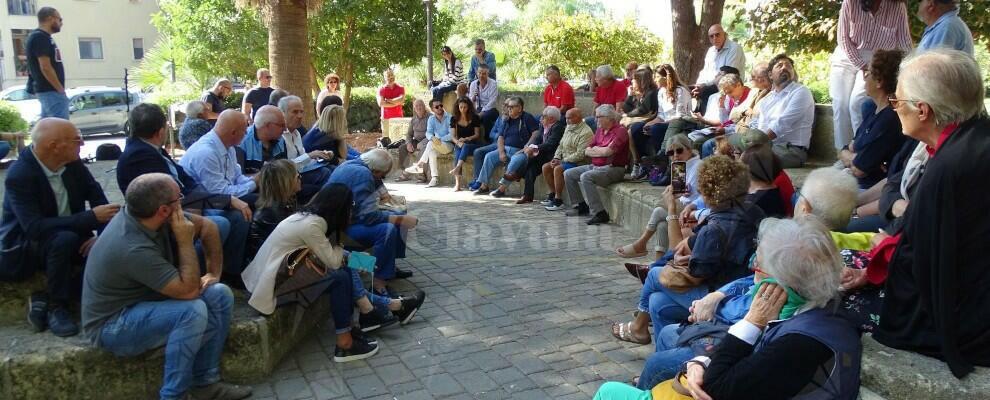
point(716, 35)
point(56, 142)
point(574, 116)
point(269, 123)
point(231, 126)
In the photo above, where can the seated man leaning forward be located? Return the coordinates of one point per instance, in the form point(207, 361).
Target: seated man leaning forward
point(609, 152)
point(45, 224)
point(143, 289)
point(213, 162)
point(371, 226)
point(518, 127)
point(787, 114)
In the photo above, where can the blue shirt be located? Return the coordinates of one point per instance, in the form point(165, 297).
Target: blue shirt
point(489, 60)
point(356, 175)
point(438, 128)
point(497, 128)
point(215, 167)
point(518, 131)
point(948, 31)
point(254, 152)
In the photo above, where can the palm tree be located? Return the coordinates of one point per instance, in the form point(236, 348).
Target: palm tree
point(288, 45)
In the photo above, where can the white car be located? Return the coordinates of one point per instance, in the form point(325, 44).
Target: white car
point(93, 109)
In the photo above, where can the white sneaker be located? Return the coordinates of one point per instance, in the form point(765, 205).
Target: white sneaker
point(414, 169)
point(433, 183)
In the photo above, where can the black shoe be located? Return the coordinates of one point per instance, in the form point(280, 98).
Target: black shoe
point(556, 205)
point(600, 218)
point(359, 350)
point(410, 304)
point(481, 191)
point(376, 319)
point(549, 201)
point(498, 194)
point(357, 334)
point(581, 210)
point(38, 312)
point(402, 274)
point(60, 322)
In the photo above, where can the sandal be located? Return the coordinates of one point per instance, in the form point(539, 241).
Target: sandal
point(629, 251)
point(624, 333)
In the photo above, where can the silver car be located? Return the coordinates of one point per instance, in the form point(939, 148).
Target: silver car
point(101, 109)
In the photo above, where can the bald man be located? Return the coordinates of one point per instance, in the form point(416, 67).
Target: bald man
point(45, 223)
point(263, 141)
point(723, 52)
point(212, 160)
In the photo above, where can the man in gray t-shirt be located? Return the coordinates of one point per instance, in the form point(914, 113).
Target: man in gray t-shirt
point(142, 289)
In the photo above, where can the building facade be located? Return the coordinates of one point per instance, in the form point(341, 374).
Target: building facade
point(99, 38)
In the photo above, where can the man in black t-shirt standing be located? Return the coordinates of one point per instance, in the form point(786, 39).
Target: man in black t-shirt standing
point(46, 77)
point(258, 97)
point(214, 99)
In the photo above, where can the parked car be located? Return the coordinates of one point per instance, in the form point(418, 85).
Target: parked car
point(16, 93)
point(100, 109)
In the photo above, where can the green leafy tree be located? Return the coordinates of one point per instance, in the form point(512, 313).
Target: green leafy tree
point(581, 42)
point(358, 39)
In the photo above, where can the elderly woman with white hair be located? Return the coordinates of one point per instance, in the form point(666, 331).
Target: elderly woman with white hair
point(936, 301)
point(370, 225)
point(195, 125)
point(609, 153)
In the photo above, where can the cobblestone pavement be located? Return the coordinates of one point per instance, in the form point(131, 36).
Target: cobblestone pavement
point(518, 306)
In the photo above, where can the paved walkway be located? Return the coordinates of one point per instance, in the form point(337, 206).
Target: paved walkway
point(518, 307)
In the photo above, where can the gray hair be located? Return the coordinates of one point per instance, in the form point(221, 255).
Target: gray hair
point(266, 114)
point(607, 111)
point(552, 113)
point(283, 103)
point(729, 81)
point(948, 81)
point(378, 160)
point(801, 255)
point(762, 69)
point(831, 193)
point(195, 108)
point(148, 192)
point(604, 71)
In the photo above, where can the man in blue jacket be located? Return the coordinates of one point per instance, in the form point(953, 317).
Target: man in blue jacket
point(45, 223)
point(144, 154)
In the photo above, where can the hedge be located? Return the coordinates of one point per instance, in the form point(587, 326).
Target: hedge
point(10, 119)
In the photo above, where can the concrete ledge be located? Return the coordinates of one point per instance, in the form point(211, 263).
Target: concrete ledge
point(897, 374)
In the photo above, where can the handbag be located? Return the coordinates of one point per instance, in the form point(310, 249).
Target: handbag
point(439, 147)
point(301, 278)
point(672, 389)
point(678, 278)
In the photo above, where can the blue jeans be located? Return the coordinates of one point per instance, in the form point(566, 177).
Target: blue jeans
point(479, 158)
point(234, 242)
point(54, 104)
point(567, 165)
point(442, 89)
point(192, 331)
point(708, 148)
point(492, 161)
point(386, 238)
point(517, 162)
point(664, 305)
point(668, 359)
point(463, 152)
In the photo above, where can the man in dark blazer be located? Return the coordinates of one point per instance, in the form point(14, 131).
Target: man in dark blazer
point(45, 223)
point(545, 143)
point(144, 154)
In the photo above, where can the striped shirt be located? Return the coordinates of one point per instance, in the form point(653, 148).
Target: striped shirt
point(453, 75)
point(862, 30)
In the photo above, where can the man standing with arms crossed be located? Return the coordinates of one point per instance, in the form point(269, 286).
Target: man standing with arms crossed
point(46, 77)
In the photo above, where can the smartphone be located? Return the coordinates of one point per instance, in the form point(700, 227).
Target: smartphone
point(678, 176)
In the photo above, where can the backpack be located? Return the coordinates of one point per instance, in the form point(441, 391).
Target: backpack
point(107, 152)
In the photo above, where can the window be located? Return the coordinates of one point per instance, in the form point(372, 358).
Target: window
point(20, 50)
point(18, 95)
point(113, 99)
point(138, 45)
point(21, 7)
point(86, 101)
point(91, 48)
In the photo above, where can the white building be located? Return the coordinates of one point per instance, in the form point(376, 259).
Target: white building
point(99, 38)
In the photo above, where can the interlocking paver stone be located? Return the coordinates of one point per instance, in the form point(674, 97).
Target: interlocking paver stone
point(519, 302)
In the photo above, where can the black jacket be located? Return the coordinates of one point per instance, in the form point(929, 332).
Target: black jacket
point(140, 157)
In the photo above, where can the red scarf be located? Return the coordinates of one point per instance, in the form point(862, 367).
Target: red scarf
point(941, 138)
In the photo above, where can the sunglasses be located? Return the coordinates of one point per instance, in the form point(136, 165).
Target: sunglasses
point(438, 106)
point(677, 151)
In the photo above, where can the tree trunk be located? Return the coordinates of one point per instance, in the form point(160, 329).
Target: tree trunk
point(347, 70)
point(691, 38)
point(288, 52)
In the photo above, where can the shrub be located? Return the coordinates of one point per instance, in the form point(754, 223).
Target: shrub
point(819, 90)
point(10, 119)
point(234, 100)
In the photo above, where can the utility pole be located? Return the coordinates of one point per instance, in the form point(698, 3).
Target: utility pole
point(429, 41)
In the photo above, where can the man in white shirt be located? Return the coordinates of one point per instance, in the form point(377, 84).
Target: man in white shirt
point(484, 93)
point(308, 164)
point(723, 52)
point(787, 114)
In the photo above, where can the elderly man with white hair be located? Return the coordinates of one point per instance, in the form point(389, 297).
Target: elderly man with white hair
point(609, 153)
point(370, 225)
point(308, 163)
point(609, 91)
point(195, 125)
point(528, 161)
point(936, 300)
point(724, 52)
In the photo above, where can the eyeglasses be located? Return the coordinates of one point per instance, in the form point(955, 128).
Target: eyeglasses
point(438, 106)
point(673, 151)
point(716, 34)
point(181, 196)
point(895, 102)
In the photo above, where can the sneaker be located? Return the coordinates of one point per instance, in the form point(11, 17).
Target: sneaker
point(600, 218)
point(580, 211)
point(479, 191)
point(498, 194)
point(359, 350)
point(38, 312)
point(375, 320)
point(556, 206)
point(60, 322)
point(221, 391)
point(549, 201)
point(635, 170)
point(433, 183)
point(414, 169)
point(402, 274)
point(356, 334)
point(474, 185)
point(410, 304)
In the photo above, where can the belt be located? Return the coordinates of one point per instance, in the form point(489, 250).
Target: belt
point(794, 146)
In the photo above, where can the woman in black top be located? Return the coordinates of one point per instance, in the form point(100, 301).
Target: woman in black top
point(465, 132)
point(645, 109)
point(764, 166)
point(277, 188)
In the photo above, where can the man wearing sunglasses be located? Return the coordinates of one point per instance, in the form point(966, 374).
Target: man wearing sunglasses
point(257, 97)
point(724, 52)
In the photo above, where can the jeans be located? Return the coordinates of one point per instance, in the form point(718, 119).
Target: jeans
point(192, 331)
point(342, 292)
point(442, 89)
point(492, 161)
point(386, 238)
point(664, 305)
point(517, 162)
point(668, 359)
point(647, 140)
point(582, 184)
point(233, 245)
point(463, 152)
point(479, 158)
point(54, 104)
